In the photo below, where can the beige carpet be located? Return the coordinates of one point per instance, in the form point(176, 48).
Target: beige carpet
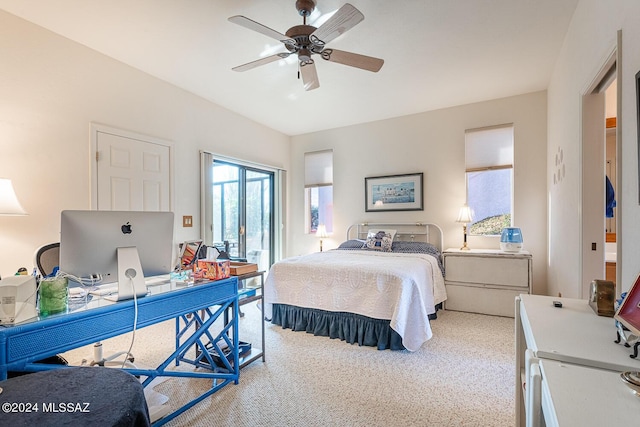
point(463, 376)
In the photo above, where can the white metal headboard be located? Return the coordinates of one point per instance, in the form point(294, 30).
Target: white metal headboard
point(405, 231)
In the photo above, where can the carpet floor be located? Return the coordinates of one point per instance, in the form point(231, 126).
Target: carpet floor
point(463, 376)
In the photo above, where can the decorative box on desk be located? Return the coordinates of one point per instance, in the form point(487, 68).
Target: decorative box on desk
point(212, 270)
point(486, 281)
point(240, 268)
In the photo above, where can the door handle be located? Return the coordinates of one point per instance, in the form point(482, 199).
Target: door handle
point(241, 231)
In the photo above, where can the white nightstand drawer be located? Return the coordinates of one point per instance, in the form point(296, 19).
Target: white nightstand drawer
point(488, 270)
point(497, 302)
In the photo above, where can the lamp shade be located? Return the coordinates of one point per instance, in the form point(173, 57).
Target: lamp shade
point(321, 232)
point(9, 204)
point(465, 215)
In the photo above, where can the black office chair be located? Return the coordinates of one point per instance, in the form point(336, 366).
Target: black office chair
point(47, 257)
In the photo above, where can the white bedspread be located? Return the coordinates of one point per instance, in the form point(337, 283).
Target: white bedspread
point(400, 287)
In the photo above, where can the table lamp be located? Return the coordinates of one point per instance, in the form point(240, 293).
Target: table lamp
point(9, 204)
point(465, 216)
point(321, 233)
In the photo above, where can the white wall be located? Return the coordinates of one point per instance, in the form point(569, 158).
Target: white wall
point(590, 39)
point(432, 143)
point(52, 89)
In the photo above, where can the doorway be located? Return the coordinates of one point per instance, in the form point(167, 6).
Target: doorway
point(594, 172)
point(611, 191)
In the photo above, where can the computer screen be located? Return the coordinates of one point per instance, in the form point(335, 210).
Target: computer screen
point(89, 242)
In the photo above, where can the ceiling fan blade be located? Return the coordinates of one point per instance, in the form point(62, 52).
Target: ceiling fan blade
point(344, 19)
point(261, 61)
point(309, 75)
point(364, 62)
point(256, 26)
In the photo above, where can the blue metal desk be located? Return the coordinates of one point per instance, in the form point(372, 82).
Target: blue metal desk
point(24, 344)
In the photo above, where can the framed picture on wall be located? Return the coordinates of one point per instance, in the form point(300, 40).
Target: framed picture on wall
point(394, 193)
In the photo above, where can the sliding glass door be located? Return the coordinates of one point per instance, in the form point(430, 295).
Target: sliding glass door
point(242, 211)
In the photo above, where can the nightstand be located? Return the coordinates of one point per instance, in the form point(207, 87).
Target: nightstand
point(486, 281)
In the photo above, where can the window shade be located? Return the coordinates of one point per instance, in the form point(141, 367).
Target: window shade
point(489, 147)
point(318, 168)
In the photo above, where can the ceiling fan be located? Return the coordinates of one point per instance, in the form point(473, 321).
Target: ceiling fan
point(306, 40)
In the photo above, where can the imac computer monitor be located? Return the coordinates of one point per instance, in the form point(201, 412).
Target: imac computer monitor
point(116, 246)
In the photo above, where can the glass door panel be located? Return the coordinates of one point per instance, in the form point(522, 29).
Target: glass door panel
point(243, 212)
point(226, 212)
point(258, 218)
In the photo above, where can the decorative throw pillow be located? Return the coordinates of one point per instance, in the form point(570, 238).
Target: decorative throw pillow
point(389, 231)
point(380, 241)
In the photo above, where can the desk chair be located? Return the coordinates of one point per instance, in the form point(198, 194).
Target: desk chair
point(47, 258)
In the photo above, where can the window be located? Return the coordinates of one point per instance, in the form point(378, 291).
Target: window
point(489, 174)
point(318, 183)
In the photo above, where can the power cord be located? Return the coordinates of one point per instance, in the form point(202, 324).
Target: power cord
point(90, 281)
point(96, 279)
point(131, 274)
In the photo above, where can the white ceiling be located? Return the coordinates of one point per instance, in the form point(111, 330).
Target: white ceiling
point(438, 53)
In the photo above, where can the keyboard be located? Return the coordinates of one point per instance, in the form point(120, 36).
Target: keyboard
point(104, 290)
point(163, 279)
point(112, 288)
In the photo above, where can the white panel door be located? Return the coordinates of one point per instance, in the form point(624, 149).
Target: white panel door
point(132, 174)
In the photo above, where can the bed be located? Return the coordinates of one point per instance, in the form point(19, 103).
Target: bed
point(380, 287)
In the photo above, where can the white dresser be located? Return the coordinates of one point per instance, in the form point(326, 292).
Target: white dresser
point(568, 366)
point(486, 281)
point(573, 395)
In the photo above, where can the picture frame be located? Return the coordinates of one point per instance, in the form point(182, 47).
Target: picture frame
point(629, 311)
point(188, 254)
point(394, 193)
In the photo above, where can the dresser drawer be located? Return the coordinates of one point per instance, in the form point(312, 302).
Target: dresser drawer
point(488, 270)
point(497, 302)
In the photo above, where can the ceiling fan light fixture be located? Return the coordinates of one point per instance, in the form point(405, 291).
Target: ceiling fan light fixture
point(304, 55)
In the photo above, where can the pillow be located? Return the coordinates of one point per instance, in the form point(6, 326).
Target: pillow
point(419, 248)
point(353, 244)
point(390, 232)
point(379, 240)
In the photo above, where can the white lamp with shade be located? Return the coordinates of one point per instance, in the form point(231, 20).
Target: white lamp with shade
point(465, 216)
point(321, 233)
point(9, 204)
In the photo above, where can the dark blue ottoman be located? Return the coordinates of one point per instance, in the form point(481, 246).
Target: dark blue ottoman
point(73, 397)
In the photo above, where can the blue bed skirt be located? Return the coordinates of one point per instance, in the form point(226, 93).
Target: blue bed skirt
point(349, 327)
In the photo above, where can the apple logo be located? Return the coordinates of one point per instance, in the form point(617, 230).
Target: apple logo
point(126, 228)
